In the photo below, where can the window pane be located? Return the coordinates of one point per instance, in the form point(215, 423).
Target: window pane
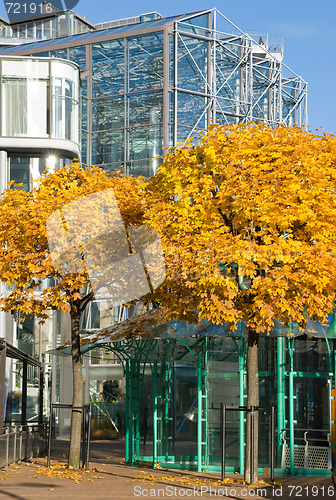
point(78, 55)
point(145, 142)
point(192, 64)
point(191, 110)
point(107, 68)
point(25, 171)
point(145, 62)
point(14, 97)
point(60, 54)
point(144, 168)
point(19, 172)
point(83, 147)
point(145, 109)
point(108, 147)
point(108, 113)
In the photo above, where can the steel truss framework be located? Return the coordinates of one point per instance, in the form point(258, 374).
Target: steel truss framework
point(238, 79)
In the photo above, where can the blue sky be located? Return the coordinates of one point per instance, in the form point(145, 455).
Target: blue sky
point(306, 27)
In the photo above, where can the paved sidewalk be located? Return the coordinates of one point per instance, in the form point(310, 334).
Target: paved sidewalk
point(109, 478)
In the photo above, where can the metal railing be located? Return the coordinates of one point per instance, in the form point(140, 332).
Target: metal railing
point(312, 449)
point(22, 442)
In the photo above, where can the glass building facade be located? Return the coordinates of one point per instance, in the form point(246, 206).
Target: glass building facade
point(149, 85)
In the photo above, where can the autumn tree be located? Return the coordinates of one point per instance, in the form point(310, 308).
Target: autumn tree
point(247, 219)
point(64, 208)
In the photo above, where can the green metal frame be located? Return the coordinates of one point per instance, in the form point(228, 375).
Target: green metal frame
point(162, 356)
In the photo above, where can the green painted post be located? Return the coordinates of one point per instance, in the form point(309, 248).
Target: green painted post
point(281, 389)
point(241, 364)
point(165, 435)
point(127, 422)
point(131, 410)
point(199, 414)
point(137, 411)
point(205, 399)
point(291, 407)
point(155, 414)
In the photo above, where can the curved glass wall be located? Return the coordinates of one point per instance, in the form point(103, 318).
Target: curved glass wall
point(39, 98)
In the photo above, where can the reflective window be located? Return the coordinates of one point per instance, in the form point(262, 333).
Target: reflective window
point(192, 64)
point(191, 110)
point(108, 113)
point(64, 102)
point(145, 62)
point(33, 383)
point(145, 142)
point(196, 25)
point(25, 171)
point(108, 147)
point(25, 98)
point(145, 109)
point(78, 56)
point(60, 54)
point(108, 68)
point(146, 168)
point(84, 146)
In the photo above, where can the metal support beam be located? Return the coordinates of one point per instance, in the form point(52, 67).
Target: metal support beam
point(291, 405)
point(2, 386)
point(280, 389)
point(24, 393)
point(155, 414)
point(199, 414)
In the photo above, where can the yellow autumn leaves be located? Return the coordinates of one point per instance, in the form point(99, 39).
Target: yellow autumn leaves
point(262, 199)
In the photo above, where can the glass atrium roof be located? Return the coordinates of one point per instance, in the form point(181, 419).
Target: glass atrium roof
point(98, 34)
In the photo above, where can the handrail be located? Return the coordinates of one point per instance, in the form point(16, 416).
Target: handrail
point(27, 441)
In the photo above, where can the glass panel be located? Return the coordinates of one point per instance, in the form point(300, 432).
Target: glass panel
point(60, 54)
point(145, 62)
point(107, 68)
point(223, 387)
point(14, 97)
point(108, 147)
point(108, 113)
point(83, 147)
point(192, 64)
point(310, 356)
point(171, 59)
point(145, 109)
point(84, 86)
point(19, 172)
point(38, 25)
point(145, 142)
point(184, 133)
point(65, 110)
point(33, 374)
point(199, 21)
point(25, 171)
point(311, 407)
point(144, 168)
point(84, 113)
point(78, 55)
point(191, 110)
point(14, 401)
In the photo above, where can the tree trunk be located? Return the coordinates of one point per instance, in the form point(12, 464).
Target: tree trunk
point(77, 396)
point(252, 400)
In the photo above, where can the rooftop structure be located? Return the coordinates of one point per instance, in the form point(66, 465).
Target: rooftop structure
point(150, 82)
